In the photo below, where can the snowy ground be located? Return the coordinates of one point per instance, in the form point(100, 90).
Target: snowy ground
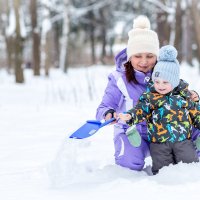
point(38, 161)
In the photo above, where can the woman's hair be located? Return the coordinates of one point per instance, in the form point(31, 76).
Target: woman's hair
point(130, 73)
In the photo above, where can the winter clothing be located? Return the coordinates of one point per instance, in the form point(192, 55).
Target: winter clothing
point(169, 119)
point(115, 98)
point(164, 154)
point(120, 102)
point(141, 38)
point(167, 67)
point(169, 116)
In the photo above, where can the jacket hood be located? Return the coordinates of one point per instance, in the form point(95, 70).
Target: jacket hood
point(182, 89)
point(120, 60)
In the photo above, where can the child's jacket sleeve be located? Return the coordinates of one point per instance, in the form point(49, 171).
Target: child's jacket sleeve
point(141, 111)
point(194, 113)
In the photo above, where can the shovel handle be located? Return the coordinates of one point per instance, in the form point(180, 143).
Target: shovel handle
point(94, 122)
point(108, 122)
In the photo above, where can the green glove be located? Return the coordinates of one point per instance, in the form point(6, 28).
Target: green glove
point(133, 136)
point(197, 143)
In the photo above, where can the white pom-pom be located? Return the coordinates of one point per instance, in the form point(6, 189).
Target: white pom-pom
point(141, 22)
point(168, 53)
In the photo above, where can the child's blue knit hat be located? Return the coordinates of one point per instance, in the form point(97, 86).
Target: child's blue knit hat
point(167, 67)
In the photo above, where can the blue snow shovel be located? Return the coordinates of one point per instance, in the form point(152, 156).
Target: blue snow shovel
point(90, 128)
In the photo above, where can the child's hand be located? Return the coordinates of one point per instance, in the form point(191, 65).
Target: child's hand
point(194, 96)
point(124, 117)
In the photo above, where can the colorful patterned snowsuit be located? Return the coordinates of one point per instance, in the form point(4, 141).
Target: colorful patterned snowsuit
point(169, 117)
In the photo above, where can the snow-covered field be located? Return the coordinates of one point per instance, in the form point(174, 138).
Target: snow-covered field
point(38, 161)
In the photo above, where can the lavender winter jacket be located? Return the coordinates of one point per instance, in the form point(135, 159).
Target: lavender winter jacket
point(115, 96)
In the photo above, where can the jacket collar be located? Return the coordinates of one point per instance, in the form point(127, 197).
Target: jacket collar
point(181, 89)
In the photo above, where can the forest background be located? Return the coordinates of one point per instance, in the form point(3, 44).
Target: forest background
point(55, 56)
point(45, 34)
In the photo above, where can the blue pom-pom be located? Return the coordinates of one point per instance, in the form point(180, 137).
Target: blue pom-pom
point(168, 53)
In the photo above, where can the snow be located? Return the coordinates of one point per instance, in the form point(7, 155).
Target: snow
point(23, 31)
point(10, 30)
point(38, 161)
point(12, 23)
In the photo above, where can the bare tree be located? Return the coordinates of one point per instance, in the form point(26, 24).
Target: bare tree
point(92, 36)
point(188, 35)
point(65, 35)
point(19, 76)
point(104, 29)
point(9, 39)
point(196, 23)
point(47, 48)
point(178, 30)
point(163, 25)
point(35, 38)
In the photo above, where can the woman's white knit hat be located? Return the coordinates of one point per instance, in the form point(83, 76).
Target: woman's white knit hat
point(141, 38)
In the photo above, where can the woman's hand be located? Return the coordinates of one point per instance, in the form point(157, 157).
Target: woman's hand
point(111, 115)
point(194, 96)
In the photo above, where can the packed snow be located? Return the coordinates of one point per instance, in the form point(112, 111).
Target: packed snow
point(38, 160)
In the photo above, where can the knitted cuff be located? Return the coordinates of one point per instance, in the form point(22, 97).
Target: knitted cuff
point(111, 111)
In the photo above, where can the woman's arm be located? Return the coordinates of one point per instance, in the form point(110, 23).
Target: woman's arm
point(110, 100)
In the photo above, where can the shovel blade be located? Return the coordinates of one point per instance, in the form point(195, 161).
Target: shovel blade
point(90, 128)
point(87, 130)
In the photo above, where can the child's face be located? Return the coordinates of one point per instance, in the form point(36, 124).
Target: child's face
point(162, 86)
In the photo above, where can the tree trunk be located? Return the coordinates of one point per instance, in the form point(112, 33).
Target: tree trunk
point(10, 53)
point(163, 26)
point(178, 30)
point(56, 44)
point(92, 40)
point(9, 40)
point(47, 50)
point(187, 36)
point(196, 17)
point(103, 35)
point(64, 41)
point(19, 76)
point(36, 39)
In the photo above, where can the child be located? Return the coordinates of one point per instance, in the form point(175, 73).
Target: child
point(169, 112)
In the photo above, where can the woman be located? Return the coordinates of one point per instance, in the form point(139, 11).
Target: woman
point(133, 70)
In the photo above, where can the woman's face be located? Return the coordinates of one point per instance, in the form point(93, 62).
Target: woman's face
point(143, 61)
